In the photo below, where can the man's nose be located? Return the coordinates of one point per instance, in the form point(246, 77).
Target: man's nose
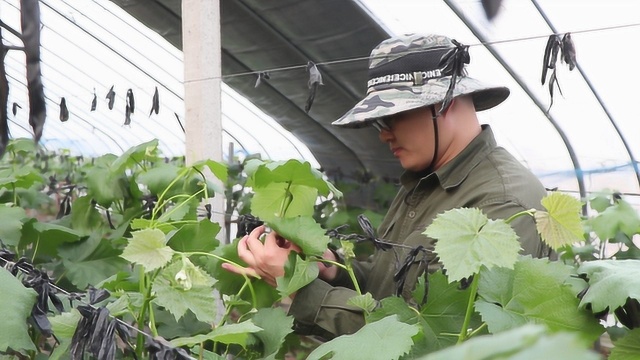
point(385, 135)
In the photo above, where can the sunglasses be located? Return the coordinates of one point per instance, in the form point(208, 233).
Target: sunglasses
point(385, 123)
point(382, 124)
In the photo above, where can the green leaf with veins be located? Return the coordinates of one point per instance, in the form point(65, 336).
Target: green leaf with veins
point(158, 178)
point(619, 217)
point(291, 171)
point(14, 311)
point(227, 334)
point(443, 314)
point(148, 248)
point(535, 291)
point(611, 282)
point(104, 186)
point(468, 240)
point(200, 236)
point(277, 325)
point(11, 224)
point(84, 215)
point(64, 326)
point(626, 348)
point(384, 339)
point(365, 302)
point(526, 342)
point(135, 156)
point(561, 224)
point(171, 295)
point(297, 273)
point(267, 201)
point(219, 170)
point(304, 232)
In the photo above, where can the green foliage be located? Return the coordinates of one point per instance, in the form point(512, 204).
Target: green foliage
point(138, 209)
point(611, 282)
point(371, 342)
point(276, 326)
point(148, 248)
point(297, 273)
point(628, 347)
point(304, 232)
point(442, 315)
point(365, 302)
point(11, 224)
point(526, 342)
point(559, 226)
point(533, 292)
point(230, 334)
point(15, 307)
point(468, 240)
point(172, 295)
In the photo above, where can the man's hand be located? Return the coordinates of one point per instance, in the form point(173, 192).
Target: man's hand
point(265, 260)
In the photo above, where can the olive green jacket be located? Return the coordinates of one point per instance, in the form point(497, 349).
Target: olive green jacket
point(482, 176)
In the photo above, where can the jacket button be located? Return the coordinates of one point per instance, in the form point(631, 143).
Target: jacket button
point(412, 214)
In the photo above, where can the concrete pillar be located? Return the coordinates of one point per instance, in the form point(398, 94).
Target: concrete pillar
point(201, 46)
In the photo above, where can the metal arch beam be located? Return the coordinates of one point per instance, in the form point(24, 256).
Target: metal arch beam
point(634, 162)
point(567, 143)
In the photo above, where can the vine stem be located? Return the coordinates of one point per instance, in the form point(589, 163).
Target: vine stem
point(349, 271)
point(160, 198)
point(467, 317)
point(530, 212)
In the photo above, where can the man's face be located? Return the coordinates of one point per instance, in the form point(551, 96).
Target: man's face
point(410, 138)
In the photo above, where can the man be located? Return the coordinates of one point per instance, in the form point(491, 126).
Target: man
point(424, 106)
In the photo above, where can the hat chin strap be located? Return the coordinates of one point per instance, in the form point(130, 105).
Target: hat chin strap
point(434, 116)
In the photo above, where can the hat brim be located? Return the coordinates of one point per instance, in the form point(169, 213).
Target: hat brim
point(392, 100)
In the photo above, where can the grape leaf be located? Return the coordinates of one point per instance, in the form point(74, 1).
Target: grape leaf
point(227, 334)
point(619, 217)
point(146, 223)
point(384, 339)
point(11, 224)
point(526, 342)
point(217, 169)
point(561, 224)
point(267, 201)
point(200, 236)
point(14, 311)
point(158, 178)
point(148, 248)
point(365, 302)
point(443, 313)
point(468, 240)
point(135, 156)
point(292, 171)
point(297, 273)
point(103, 186)
point(611, 282)
point(170, 295)
point(626, 348)
point(277, 325)
point(533, 292)
point(304, 232)
point(23, 177)
point(84, 215)
point(64, 326)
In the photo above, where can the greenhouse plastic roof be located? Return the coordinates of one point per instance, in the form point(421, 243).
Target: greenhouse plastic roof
point(586, 142)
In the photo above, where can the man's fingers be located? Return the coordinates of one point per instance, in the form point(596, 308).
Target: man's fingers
point(253, 242)
point(244, 252)
point(240, 270)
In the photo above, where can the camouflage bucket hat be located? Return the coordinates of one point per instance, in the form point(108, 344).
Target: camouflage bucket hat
point(413, 71)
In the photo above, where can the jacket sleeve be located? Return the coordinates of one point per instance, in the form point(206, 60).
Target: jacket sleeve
point(321, 309)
